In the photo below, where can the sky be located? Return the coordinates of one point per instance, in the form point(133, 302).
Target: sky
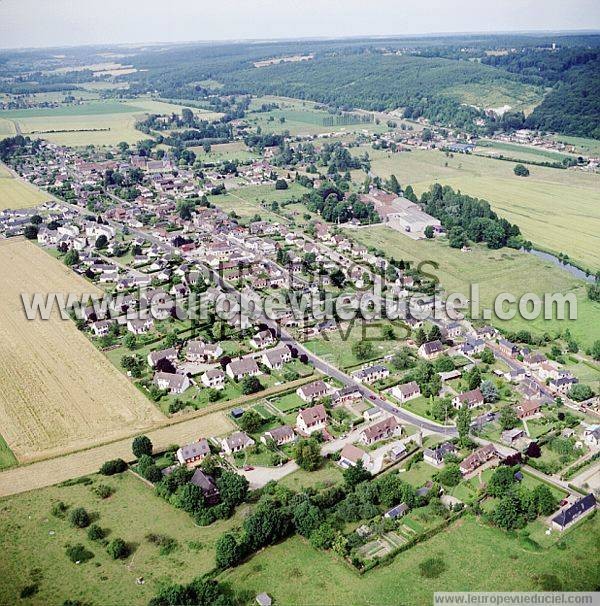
point(42, 23)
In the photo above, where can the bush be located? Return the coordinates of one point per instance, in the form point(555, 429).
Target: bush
point(521, 171)
point(59, 509)
point(153, 474)
point(117, 549)
point(78, 553)
point(103, 491)
point(166, 543)
point(113, 466)
point(95, 533)
point(79, 518)
point(29, 590)
point(432, 568)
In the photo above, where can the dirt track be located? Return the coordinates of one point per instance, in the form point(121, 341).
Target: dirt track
point(59, 469)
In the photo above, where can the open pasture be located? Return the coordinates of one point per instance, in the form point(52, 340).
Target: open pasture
point(503, 566)
point(33, 542)
point(495, 271)
point(236, 150)
point(93, 123)
point(302, 118)
point(57, 392)
point(557, 209)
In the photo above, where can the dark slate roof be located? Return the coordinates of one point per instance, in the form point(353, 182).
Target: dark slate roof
point(566, 516)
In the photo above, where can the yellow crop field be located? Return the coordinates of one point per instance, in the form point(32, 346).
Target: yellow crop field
point(57, 392)
point(75, 464)
point(7, 128)
point(16, 193)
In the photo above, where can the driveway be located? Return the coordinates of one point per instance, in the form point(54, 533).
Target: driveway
point(260, 476)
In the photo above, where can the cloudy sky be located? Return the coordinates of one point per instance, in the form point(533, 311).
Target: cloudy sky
point(26, 23)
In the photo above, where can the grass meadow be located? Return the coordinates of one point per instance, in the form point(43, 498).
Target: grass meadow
point(495, 271)
point(556, 209)
point(33, 543)
point(294, 573)
point(92, 123)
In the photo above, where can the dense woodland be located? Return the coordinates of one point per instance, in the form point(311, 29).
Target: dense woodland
point(427, 76)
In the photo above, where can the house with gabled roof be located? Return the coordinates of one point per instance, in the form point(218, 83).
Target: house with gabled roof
point(572, 513)
point(313, 391)
point(312, 419)
point(382, 430)
point(528, 408)
point(507, 348)
point(243, 367)
point(436, 456)
point(431, 349)
point(214, 378)
point(173, 382)
point(198, 351)
point(276, 358)
point(349, 393)
point(350, 455)
point(478, 458)
point(207, 485)
point(406, 392)
point(194, 453)
point(280, 435)
point(468, 399)
point(154, 357)
point(264, 338)
point(236, 442)
point(370, 374)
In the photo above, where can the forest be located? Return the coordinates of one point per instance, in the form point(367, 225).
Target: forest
point(449, 80)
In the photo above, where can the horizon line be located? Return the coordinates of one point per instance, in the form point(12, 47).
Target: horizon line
point(524, 32)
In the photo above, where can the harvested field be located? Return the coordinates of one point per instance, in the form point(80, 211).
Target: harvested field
point(16, 193)
point(59, 469)
point(57, 392)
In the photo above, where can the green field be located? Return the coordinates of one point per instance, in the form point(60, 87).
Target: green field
point(495, 271)
point(556, 209)
point(294, 573)
point(15, 193)
point(327, 475)
point(521, 152)
point(336, 346)
point(33, 544)
point(589, 147)
point(7, 458)
point(93, 123)
point(300, 118)
point(236, 150)
point(247, 201)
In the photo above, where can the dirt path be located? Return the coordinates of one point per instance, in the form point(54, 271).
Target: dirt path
point(205, 423)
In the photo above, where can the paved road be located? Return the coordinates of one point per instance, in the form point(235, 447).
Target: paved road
point(320, 364)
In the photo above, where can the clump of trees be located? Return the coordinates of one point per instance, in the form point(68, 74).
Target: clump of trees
point(518, 505)
point(466, 218)
point(521, 170)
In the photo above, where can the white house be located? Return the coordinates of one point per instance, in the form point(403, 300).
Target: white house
point(236, 442)
point(214, 378)
point(406, 392)
point(312, 419)
point(174, 382)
